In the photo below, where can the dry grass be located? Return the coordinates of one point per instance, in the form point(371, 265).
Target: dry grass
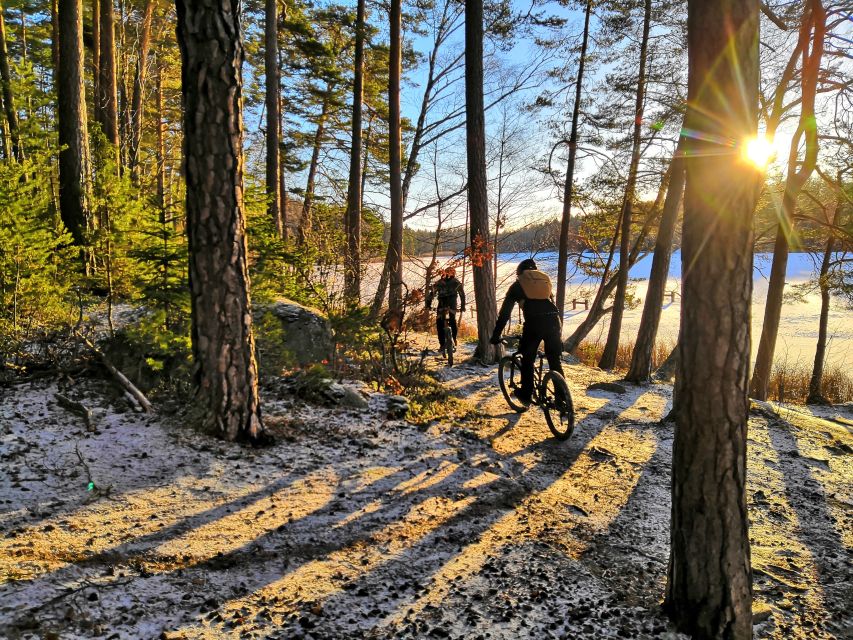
point(789, 382)
point(589, 353)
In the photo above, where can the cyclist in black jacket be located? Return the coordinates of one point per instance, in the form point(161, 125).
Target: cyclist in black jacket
point(447, 289)
point(532, 292)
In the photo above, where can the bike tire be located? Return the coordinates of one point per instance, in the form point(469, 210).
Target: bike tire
point(509, 378)
point(556, 403)
point(448, 343)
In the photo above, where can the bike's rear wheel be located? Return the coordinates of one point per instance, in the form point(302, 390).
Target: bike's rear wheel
point(509, 377)
point(557, 405)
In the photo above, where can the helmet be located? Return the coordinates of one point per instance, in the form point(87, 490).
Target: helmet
point(524, 265)
point(449, 272)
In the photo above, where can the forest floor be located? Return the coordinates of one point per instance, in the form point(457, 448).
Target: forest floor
point(356, 525)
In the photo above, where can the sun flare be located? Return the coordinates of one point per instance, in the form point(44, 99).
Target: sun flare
point(758, 151)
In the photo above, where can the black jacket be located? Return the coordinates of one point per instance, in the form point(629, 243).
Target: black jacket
point(446, 290)
point(535, 300)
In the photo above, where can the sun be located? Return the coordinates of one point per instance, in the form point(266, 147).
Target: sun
point(758, 151)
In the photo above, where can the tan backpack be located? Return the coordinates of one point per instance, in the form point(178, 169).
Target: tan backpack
point(535, 284)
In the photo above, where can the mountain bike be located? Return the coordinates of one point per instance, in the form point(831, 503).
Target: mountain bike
point(550, 392)
point(449, 342)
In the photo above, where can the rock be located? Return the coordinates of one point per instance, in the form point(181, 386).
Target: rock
point(289, 334)
point(398, 406)
point(346, 395)
point(612, 387)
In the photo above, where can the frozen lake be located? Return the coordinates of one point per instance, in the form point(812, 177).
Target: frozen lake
point(797, 331)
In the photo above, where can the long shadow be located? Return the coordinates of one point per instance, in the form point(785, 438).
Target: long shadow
point(809, 501)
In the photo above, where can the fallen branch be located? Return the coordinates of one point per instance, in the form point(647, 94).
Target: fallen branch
point(77, 407)
point(126, 384)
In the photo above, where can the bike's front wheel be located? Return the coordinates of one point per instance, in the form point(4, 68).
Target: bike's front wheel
point(557, 405)
point(509, 377)
point(449, 345)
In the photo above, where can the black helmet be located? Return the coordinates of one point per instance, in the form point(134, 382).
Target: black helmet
point(524, 265)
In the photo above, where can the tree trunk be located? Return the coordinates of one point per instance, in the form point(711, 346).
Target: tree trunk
point(709, 580)
point(641, 359)
point(225, 371)
point(308, 201)
point(815, 384)
point(352, 266)
point(138, 88)
point(161, 147)
point(608, 357)
point(8, 98)
point(563, 253)
point(273, 107)
point(96, 59)
point(395, 247)
point(478, 196)
point(54, 34)
point(814, 18)
point(74, 164)
point(107, 88)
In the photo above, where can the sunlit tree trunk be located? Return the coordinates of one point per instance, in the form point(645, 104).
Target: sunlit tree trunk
point(395, 292)
point(74, 163)
point(107, 87)
point(478, 197)
point(96, 59)
point(8, 98)
point(138, 89)
point(816, 382)
point(641, 358)
point(225, 371)
point(273, 107)
point(798, 173)
point(308, 201)
point(352, 266)
point(709, 579)
point(608, 357)
point(568, 188)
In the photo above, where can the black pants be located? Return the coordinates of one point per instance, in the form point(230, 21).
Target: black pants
point(539, 329)
point(443, 315)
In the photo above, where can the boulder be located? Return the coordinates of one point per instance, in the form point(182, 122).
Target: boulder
point(290, 334)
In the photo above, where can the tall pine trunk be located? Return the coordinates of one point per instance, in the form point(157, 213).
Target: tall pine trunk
point(352, 266)
point(74, 162)
point(225, 371)
point(107, 88)
point(478, 196)
point(308, 201)
point(96, 59)
point(568, 188)
point(273, 106)
point(395, 292)
point(816, 382)
point(608, 357)
point(641, 358)
point(136, 110)
point(709, 580)
point(8, 98)
point(798, 173)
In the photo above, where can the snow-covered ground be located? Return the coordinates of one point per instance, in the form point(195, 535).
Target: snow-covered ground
point(357, 525)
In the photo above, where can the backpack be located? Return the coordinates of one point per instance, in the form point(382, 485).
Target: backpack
point(535, 284)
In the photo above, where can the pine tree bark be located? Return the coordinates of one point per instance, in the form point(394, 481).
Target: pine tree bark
point(352, 265)
point(395, 292)
point(225, 371)
point(96, 60)
point(161, 147)
point(608, 356)
point(709, 580)
point(273, 107)
point(641, 358)
point(478, 197)
point(568, 189)
point(798, 174)
point(8, 98)
point(107, 86)
point(54, 34)
point(139, 77)
point(308, 201)
point(815, 395)
point(74, 162)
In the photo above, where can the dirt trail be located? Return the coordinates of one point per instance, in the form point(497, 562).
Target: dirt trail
point(356, 525)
